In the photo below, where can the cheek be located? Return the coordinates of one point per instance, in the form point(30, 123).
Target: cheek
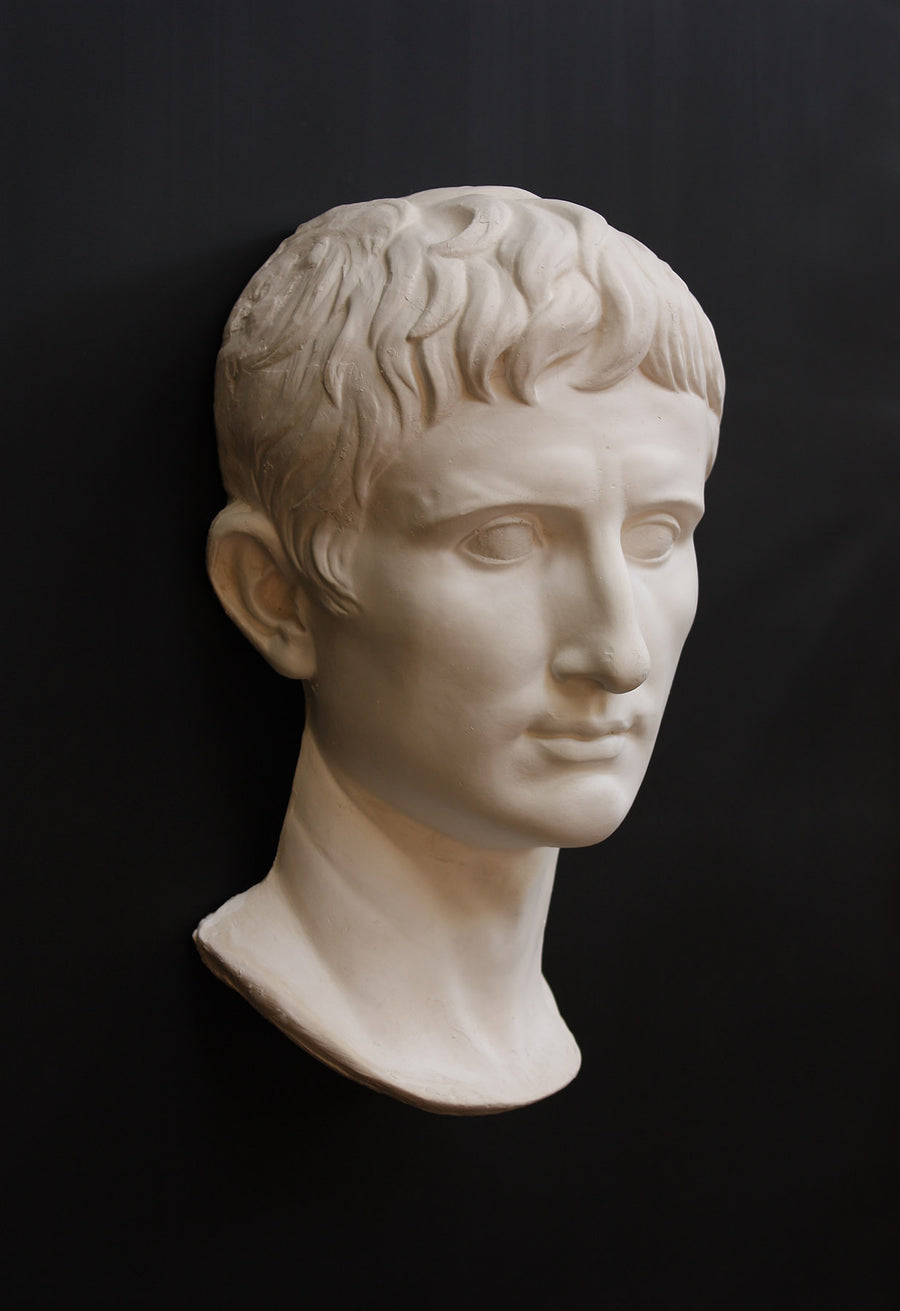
point(667, 605)
point(457, 623)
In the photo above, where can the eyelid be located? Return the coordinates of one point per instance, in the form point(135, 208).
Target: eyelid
point(650, 551)
point(512, 554)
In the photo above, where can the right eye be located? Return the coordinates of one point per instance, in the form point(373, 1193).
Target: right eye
point(503, 542)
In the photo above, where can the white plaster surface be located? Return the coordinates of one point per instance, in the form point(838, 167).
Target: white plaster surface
point(465, 437)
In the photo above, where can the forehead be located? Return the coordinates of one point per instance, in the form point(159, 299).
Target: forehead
point(635, 442)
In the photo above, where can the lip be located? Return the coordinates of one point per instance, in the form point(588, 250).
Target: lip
point(584, 741)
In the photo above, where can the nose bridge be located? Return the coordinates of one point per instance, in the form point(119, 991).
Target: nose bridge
point(601, 638)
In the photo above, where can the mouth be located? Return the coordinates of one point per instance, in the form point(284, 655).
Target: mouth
point(585, 741)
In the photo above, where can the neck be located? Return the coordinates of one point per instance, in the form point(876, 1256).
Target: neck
point(384, 898)
point(421, 956)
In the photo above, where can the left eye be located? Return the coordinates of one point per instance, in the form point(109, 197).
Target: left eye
point(503, 541)
point(651, 540)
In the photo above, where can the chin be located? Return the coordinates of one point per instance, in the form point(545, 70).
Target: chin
point(588, 837)
point(588, 833)
point(586, 822)
point(579, 829)
point(569, 816)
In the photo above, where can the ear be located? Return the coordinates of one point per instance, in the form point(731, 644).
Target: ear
point(260, 589)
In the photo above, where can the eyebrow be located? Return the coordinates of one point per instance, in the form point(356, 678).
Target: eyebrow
point(550, 486)
point(679, 504)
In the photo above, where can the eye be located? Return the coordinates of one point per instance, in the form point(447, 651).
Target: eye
point(650, 541)
point(503, 541)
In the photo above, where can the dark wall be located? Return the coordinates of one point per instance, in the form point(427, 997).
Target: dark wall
point(728, 960)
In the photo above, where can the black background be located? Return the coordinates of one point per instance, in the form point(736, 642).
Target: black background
point(728, 960)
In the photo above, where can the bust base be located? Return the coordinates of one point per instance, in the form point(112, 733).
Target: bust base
point(238, 949)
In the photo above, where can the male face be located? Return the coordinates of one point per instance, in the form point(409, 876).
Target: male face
point(526, 579)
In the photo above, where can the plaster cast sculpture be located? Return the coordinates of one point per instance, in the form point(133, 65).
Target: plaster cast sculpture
point(465, 437)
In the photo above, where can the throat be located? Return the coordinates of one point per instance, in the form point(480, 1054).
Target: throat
point(399, 911)
point(403, 960)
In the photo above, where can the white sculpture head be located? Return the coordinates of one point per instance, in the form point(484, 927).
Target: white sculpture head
point(465, 436)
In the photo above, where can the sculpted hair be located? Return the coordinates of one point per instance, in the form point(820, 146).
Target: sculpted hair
point(371, 322)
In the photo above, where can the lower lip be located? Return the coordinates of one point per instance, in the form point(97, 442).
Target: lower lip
point(583, 751)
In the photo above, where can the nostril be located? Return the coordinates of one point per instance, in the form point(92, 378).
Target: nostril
point(623, 675)
point(626, 680)
point(615, 670)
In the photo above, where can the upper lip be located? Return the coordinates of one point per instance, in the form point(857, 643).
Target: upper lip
point(585, 730)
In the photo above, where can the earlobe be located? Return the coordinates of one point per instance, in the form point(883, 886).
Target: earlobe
point(260, 590)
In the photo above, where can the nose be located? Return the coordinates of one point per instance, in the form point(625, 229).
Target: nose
point(602, 640)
